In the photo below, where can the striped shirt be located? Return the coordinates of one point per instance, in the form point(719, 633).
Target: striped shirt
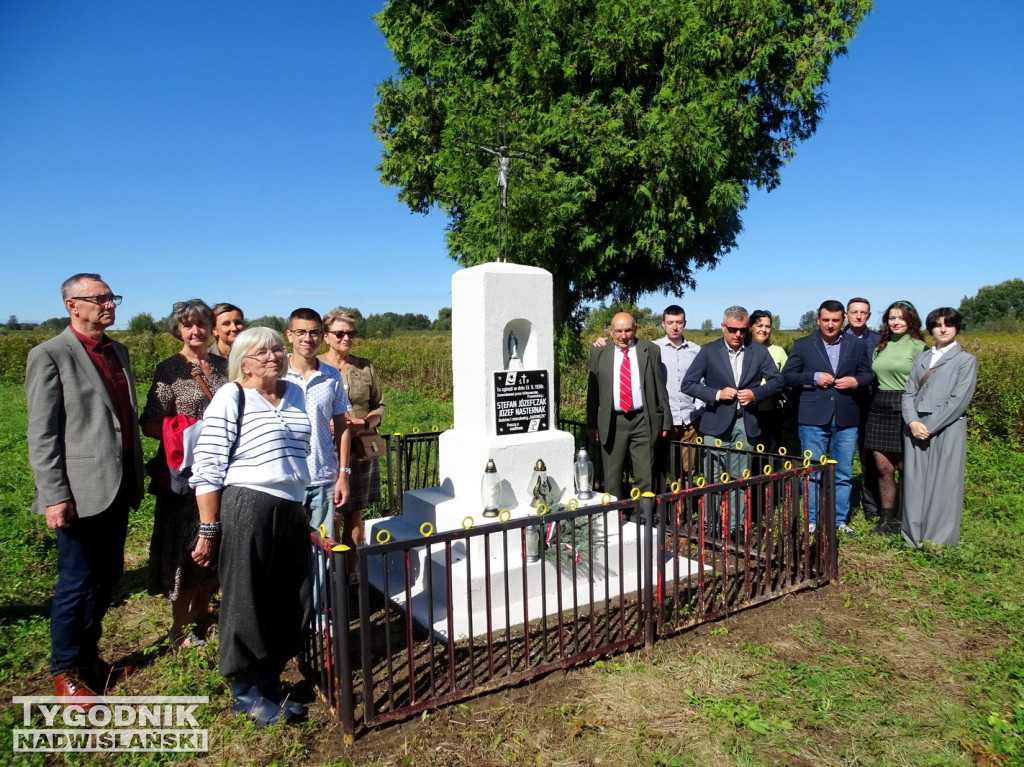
point(272, 445)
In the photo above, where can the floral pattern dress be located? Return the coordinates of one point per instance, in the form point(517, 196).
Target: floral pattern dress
point(175, 391)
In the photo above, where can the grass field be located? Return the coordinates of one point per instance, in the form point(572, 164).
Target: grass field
point(912, 658)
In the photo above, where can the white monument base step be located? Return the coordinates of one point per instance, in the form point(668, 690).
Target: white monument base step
point(499, 564)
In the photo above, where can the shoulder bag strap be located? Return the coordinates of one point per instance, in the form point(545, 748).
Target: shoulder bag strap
point(202, 384)
point(241, 412)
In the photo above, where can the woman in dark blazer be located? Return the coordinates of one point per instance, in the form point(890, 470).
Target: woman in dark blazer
point(941, 384)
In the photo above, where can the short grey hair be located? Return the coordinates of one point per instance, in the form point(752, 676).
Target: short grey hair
point(735, 313)
point(258, 337)
point(71, 284)
point(195, 311)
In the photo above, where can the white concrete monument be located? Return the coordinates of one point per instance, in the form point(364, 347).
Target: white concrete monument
point(503, 370)
point(503, 366)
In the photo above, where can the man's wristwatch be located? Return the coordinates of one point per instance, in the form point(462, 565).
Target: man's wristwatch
point(345, 470)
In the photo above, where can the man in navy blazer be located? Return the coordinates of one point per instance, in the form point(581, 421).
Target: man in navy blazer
point(731, 375)
point(828, 367)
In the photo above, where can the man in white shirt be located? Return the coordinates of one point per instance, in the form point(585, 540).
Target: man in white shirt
point(676, 356)
point(326, 404)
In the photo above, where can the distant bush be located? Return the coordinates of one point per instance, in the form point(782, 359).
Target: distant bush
point(997, 410)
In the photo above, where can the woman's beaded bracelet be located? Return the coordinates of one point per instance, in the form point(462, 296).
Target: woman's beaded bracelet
point(209, 529)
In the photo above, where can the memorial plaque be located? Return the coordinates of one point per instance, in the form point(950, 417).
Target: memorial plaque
point(521, 401)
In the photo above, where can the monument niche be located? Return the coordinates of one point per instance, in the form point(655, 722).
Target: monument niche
point(505, 427)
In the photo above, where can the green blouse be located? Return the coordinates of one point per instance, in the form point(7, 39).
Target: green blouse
point(892, 365)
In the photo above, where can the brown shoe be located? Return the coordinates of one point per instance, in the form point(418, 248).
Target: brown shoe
point(69, 685)
point(106, 676)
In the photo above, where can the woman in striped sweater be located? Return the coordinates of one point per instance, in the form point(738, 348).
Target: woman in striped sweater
point(250, 475)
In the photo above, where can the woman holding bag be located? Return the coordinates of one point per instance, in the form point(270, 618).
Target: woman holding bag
point(183, 385)
point(368, 408)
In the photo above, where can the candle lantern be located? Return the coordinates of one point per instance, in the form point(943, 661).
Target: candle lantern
point(490, 489)
point(540, 485)
point(583, 476)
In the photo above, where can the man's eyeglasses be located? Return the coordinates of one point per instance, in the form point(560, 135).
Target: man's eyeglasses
point(103, 300)
point(314, 334)
point(731, 329)
point(339, 334)
point(265, 354)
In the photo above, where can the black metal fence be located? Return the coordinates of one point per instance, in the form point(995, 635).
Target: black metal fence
point(450, 615)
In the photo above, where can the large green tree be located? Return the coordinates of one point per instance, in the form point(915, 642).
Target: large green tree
point(643, 124)
point(995, 304)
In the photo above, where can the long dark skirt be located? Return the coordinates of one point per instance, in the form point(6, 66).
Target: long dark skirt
point(267, 596)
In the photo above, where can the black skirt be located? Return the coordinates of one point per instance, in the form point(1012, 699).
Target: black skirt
point(885, 423)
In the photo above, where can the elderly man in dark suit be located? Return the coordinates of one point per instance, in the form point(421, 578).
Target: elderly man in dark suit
point(828, 367)
point(86, 456)
point(731, 375)
point(858, 312)
point(627, 405)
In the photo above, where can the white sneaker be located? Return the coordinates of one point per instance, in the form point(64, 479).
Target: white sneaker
point(845, 529)
point(812, 529)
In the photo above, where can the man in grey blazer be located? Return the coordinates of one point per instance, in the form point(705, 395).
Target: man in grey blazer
point(627, 405)
point(86, 456)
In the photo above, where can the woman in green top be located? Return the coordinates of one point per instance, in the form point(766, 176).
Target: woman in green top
point(900, 343)
point(768, 413)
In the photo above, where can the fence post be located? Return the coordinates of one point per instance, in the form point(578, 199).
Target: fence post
point(647, 584)
point(341, 643)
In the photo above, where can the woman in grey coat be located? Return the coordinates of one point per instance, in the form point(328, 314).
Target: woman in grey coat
point(941, 384)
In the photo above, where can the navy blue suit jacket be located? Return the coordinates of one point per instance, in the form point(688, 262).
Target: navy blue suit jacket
point(711, 371)
point(819, 405)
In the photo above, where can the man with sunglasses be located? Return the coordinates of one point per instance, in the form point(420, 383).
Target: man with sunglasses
point(86, 456)
point(730, 376)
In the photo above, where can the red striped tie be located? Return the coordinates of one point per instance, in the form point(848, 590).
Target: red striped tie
point(625, 384)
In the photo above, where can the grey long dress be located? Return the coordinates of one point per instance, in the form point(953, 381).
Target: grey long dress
point(933, 486)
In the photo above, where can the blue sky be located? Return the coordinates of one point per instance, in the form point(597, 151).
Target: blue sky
point(222, 150)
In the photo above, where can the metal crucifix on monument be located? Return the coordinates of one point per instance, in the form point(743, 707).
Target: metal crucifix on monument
point(505, 155)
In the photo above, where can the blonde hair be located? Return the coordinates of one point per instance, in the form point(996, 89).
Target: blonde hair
point(340, 314)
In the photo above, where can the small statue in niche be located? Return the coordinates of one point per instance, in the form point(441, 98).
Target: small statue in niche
point(512, 345)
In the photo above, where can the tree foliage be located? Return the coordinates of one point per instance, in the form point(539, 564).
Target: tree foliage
point(600, 317)
point(644, 125)
point(280, 324)
point(995, 304)
point(142, 322)
point(444, 319)
point(808, 321)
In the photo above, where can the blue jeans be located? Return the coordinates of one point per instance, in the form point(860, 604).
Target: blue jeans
point(839, 445)
point(733, 464)
point(90, 561)
point(319, 503)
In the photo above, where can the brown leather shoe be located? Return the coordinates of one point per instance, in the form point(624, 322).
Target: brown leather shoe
point(69, 685)
point(106, 676)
